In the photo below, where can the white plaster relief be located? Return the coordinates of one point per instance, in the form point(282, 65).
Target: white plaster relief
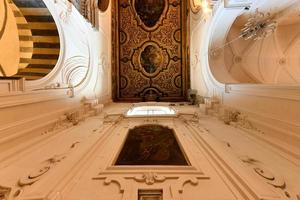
point(274, 179)
point(36, 174)
point(208, 145)
point(118, 180)
point(260, 102)
point(152, 178)
point(99, 153)
point(75, 70)
point(149, 178)
point(65, 14)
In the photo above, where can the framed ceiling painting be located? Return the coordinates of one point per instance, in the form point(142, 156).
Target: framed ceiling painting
point(151, 145)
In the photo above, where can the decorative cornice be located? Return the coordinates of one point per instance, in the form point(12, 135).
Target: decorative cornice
point(17, 98)
point(287, 92)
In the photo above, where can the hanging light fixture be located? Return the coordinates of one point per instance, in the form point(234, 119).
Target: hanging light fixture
point(258, 26)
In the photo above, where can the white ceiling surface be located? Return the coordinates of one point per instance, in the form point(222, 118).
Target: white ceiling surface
point(275, 59)
point(283, 9)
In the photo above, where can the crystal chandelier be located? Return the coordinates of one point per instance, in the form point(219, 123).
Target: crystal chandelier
point(258, 26)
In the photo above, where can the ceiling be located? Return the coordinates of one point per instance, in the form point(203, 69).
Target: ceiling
point(37, 40)
point(274, 59)
point(287, 11)
point(150, 51)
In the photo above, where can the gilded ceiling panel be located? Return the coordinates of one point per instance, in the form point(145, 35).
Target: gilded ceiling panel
point(149, 55)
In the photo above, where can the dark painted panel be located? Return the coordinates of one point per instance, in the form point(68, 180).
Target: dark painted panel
point(151, 145)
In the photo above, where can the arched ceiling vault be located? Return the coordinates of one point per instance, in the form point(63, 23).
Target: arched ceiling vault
point(273, 59)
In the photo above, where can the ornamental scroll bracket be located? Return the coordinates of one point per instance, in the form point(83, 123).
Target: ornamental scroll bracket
point(178, 188)
point(39, 172)
point(176, 183)
point(152, 178)
point(112, 179)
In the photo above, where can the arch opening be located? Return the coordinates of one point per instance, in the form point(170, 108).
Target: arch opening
point(151, 111)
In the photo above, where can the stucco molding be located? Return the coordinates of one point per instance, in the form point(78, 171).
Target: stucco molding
point(268, 175)
point(286, 92)
point(230, 167)
point(282, 138)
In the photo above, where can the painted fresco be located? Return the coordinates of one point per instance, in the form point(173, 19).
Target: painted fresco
point(151, 145)
point(149, 11)
point(151, 59)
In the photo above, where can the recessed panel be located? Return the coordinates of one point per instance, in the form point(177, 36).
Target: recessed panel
point(151, 145)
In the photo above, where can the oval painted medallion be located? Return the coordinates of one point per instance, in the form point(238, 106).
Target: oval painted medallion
point(149, 11)
point(151, 59)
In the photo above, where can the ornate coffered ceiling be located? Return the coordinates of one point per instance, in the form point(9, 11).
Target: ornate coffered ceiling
point(149, 44)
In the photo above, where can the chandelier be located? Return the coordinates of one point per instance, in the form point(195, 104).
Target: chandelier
point(258, 26)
